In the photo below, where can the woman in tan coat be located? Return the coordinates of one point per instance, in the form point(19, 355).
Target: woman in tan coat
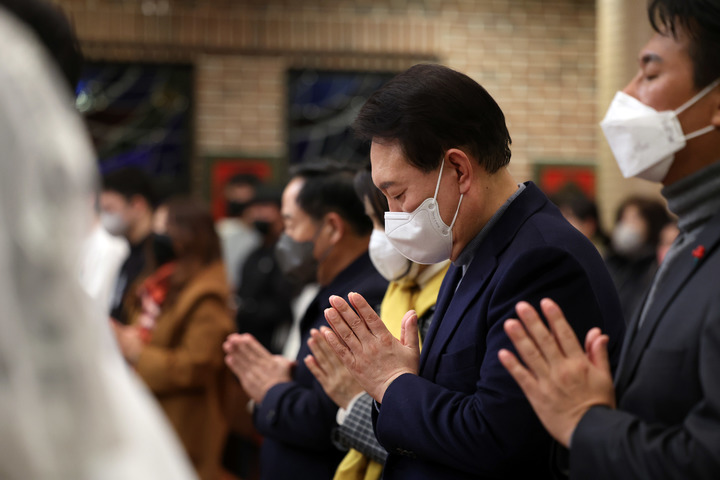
point(176, 335)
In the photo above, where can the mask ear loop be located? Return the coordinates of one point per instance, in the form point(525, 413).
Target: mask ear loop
point(690, 103)
point(697, 97)
point(327, 251)
point(697, 133)
point(437, 189)
point(456, 212)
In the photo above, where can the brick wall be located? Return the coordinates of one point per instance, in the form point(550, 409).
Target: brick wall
point(536, 57)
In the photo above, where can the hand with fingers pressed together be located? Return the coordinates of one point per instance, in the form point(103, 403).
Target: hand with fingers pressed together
point(366, 347)
point(335, 379)
point(560, 380)
point(256, 368)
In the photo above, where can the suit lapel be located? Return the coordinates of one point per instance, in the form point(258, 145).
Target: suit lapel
point(683, 267)
point(445, 296)
point(453, 304)
point(471, 286)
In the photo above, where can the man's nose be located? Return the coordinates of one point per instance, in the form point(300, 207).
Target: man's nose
point(631, 87)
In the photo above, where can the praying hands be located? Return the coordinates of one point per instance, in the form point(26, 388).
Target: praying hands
point(257, 369)
point(560, 380)
point(327, 368)
point(365, 346)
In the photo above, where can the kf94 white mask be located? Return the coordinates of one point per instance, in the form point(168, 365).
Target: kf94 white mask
point(422, 236)
point(387, 260)
point(644, 140)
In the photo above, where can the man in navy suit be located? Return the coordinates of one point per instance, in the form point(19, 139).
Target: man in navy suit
point(661, 418)
point(326, 239)
point(439, 152)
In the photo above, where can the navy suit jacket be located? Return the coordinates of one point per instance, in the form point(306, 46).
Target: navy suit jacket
point(464, 416)
point(297, 418)
point(667, 386)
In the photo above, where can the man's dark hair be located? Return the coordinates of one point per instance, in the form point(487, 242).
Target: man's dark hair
point(366, 190)
point(581, 206)
point(267, 194)
point(700, 19)
point(54, 31)
point(129, 182)
point(328, 187)
point(429, 109)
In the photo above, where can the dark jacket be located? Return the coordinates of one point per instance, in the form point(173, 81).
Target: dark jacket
point(632, 278)
point(667, 424)
point(297, 417)
point(264, 297)
point(464, 416)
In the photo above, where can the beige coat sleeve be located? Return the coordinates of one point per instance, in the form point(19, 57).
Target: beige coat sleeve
point(199, 353)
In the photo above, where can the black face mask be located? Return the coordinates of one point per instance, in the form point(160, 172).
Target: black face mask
point(235, 209)
point(296, 259)
point(262, 226)
point(162, 249)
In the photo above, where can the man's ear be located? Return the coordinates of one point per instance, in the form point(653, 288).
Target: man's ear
point(462, 166)
point(337, 224)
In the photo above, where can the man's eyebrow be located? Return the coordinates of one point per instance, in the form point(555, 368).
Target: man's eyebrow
point(650, 58)
point(386, 185)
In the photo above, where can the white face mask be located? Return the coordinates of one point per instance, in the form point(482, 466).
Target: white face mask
point(644, 140)
point(626, 240)
point(387, 260)
point(114, 223)
point(422, 236)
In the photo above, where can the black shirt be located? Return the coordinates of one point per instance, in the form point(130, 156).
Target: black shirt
point(129, 272)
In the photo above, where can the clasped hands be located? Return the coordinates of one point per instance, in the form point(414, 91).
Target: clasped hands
point(365, 347)
point(328, 369)
point(257, 369)
point(560, 380)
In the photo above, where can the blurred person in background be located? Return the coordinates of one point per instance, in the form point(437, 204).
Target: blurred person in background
point(264, 311)
point(632, 256)
point(412, 287)
point(71, 410)
point(174, 340)
point(668, 234)
point(159, 222)
point(164, 190)
point(127, 203)
point(582, 213)
point(265, 294)
point(103, 255)
point(237, 235)
point(325, 240)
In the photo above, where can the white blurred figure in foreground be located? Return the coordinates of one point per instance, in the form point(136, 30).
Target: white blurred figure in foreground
point(69, 408)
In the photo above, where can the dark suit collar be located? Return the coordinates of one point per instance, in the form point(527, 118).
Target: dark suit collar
point(452, 303)
point(683, 266)
point(346, 280)
point(343, 283)
point(468, 253)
